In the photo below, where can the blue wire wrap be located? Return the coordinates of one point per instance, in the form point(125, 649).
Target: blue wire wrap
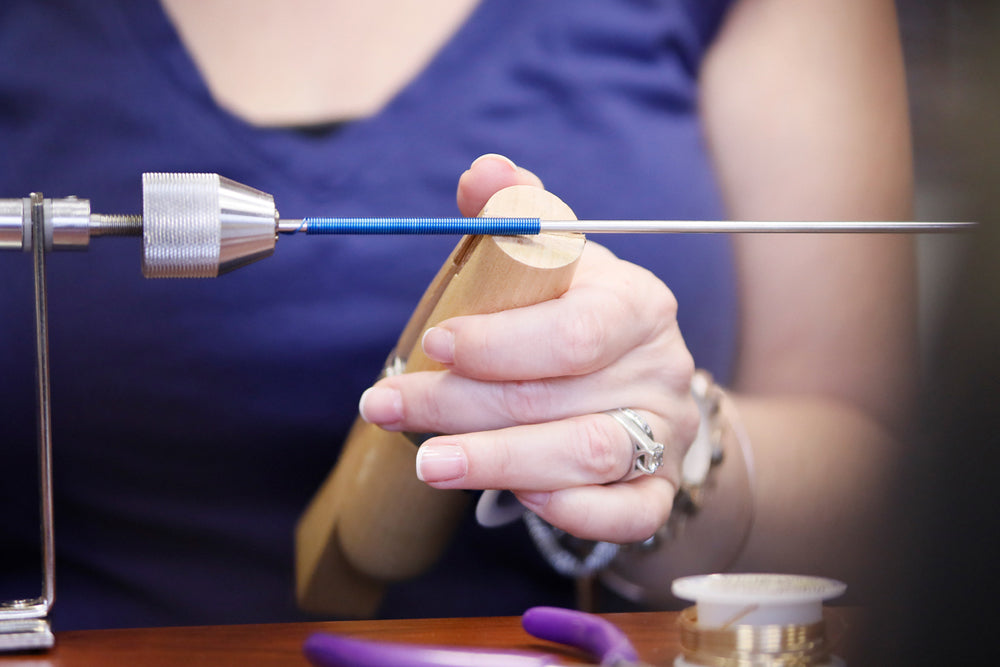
point(490, 226)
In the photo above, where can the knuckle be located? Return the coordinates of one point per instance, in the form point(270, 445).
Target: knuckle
point(683, 365)
point(599, 453)
point(671, 366)
point(673, 375)
point(666, 304)
point(527, 402)
point(582, 337)
point(658, 303)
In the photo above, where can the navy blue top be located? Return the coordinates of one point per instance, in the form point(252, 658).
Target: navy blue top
point(194, 419)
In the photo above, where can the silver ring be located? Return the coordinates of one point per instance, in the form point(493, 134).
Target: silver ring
point(647, 454)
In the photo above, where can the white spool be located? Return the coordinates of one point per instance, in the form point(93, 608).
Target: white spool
point(757, 599)
point(753, 612)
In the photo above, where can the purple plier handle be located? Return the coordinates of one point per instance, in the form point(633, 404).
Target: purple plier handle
point(595, 635)
point(329, 650)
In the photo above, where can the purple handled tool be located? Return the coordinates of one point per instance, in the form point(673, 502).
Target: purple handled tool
point(593, 634)
point(329, 650)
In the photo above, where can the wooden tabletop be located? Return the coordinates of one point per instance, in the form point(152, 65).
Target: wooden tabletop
point(654, 634)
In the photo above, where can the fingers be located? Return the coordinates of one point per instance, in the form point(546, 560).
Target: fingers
point(525, 391)
point(488, 174)
point(572, 335)
point(580, 451)
point(621, 513)
point(598, 347)
point(445, 402)
point(611, 307)
point(577, 474)
point(591, 449)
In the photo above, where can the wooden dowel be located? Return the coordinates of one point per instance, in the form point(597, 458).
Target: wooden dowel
point(372, 522)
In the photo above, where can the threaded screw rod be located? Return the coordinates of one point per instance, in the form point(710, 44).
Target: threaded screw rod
point(115, 225)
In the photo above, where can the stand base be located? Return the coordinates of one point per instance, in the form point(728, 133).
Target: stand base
point(33, 634)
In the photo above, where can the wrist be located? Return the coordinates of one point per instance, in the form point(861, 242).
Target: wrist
point(713, 511)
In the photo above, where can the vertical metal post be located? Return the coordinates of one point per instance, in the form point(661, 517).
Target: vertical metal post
point(23, 623)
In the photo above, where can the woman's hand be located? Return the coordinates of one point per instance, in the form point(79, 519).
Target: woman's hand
point(522, 399)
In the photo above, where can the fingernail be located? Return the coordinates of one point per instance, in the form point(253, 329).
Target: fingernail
point(381, 405)
point(497, 156)
point(439, 345)
point(534, 499)
point(441, 463)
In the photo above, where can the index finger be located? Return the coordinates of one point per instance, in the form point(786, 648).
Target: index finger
point(601, 318)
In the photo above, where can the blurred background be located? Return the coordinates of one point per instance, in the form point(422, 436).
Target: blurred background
point(944, 608)
point(952, 54)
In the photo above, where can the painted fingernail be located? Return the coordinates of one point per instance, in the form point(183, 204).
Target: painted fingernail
point(441, 463)
point(381, 405)
point(439, 345)
point(495, 156)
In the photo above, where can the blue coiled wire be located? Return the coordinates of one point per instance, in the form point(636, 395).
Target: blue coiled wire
point(491, 226)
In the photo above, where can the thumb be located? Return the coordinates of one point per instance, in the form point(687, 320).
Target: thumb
point(488, 174)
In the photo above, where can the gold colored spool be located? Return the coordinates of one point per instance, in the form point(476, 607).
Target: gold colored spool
point(753, 645)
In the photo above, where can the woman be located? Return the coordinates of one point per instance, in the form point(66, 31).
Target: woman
point(221, 404)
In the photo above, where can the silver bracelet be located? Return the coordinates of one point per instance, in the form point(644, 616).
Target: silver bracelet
point(707, 453)
point(568, 555)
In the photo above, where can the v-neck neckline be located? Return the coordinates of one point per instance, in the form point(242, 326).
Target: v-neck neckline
point(156, 35)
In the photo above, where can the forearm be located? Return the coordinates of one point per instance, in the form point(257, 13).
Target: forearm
point(821, 475)
point(822, 485)
point(804, 110)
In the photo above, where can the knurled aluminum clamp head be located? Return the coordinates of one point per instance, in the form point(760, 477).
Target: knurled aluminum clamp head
point(203, 225)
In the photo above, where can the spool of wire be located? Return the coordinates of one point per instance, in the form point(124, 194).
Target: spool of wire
point(755, 620)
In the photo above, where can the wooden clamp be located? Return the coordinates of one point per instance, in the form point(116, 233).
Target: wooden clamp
point(372, 522)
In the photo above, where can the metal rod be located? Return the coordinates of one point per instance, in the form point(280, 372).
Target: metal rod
point(44, 404)
point(23, 625)
point(748, 226)
point(507, 226)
